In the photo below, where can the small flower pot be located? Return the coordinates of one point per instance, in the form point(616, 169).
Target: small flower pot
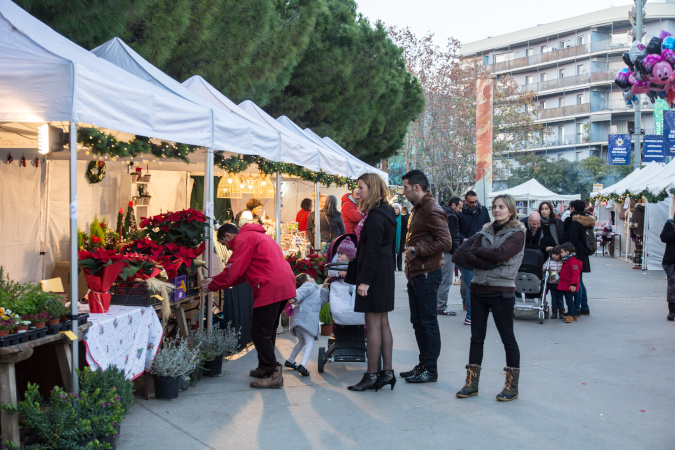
point(4, 333)
point(20, 329)
point(326, 330)
point(167, 388)
point(64, 318)
point(214, 368)
point(134, 177)
point(53, 322)
point(146, 178)
point(39, 324)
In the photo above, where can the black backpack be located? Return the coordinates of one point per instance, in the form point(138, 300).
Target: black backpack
point(590, 242)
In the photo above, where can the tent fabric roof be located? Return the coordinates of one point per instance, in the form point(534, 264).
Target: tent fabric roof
point(69, 83)
point(665, 180)
point(533, 190)
point(632, 180)
point(232, 132)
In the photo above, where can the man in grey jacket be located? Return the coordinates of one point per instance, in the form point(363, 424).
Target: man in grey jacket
point(453, 208)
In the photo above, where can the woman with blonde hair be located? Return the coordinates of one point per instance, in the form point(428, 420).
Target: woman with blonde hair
point(374, 278)
point(495, 254)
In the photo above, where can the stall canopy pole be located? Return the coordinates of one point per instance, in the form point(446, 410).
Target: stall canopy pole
point(278, 208)
point(317, 218)
point(74, 295)
point(209, 201)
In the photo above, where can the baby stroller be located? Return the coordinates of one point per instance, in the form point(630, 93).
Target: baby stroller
point(349, 344)
point(531, 284)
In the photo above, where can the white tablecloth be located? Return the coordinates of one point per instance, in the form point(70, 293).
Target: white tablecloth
point(125, 336)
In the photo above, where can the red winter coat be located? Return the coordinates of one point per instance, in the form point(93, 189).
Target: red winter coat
point(350, 214)
point(258, 260)
point(301, 218)
point(570, 274)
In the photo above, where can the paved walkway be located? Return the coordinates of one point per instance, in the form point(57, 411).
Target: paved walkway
point(604, 382)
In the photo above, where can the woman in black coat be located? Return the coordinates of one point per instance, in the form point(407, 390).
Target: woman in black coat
point(575, 232)
point(668, 237)
point(374, 264)
point(552, 231)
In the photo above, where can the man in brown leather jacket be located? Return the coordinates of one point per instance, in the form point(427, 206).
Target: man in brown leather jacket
point(427, 240)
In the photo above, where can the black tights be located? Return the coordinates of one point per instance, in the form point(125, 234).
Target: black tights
point(380, 341)
point(502, 313)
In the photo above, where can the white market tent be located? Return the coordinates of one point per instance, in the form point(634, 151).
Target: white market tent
point(532, 190)
point(631, 180)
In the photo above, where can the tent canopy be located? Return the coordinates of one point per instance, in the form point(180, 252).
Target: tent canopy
point(44, 77)
point(632, 181)
point(533, 190)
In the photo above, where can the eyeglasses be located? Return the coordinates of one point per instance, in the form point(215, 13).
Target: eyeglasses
point(472, 203)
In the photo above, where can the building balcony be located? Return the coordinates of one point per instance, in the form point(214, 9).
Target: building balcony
point(561, 111)
point(552, 56)
point(571, 82)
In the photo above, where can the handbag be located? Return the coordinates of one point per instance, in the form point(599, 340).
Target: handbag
point(350, 278)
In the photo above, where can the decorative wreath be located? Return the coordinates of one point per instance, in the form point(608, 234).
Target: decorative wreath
point(95, 171)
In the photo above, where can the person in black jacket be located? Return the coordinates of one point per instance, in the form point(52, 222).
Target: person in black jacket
point(532, 230)
point(551, 228)
point(668, 237)
point(575, 232)
point(399, 246)
point(452, 209)
point(375, 279)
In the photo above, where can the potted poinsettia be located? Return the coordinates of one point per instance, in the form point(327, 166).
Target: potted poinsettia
point(101, 268)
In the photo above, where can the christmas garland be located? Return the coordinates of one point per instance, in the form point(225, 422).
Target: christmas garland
point(95, 172)
point(621, 198)
point(238, 164)
point(102, 144)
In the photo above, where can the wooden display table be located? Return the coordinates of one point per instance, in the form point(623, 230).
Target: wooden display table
point(11, 355)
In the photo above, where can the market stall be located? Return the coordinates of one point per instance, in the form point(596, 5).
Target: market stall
point(529, 194)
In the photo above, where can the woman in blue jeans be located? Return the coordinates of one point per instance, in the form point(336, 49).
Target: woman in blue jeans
point(495, 255)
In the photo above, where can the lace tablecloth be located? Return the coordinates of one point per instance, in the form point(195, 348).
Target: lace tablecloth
point(125, 336)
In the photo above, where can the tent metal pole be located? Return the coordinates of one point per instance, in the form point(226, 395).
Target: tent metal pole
point(317, 218)
point(74, 295)
point(209, 206)
point(277, 210)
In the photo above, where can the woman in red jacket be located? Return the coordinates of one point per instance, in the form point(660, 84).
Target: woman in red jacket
point(257, 259)
point(303, 214)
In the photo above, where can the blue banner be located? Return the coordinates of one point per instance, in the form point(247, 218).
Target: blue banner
point(669, 132)
point(619, 149)
point(652, 149)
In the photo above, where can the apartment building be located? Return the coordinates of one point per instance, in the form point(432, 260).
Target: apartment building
point(571, 65)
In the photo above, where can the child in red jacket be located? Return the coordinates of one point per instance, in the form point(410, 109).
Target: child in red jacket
point(569, 280)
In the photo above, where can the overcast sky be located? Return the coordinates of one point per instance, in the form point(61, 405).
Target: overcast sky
point(474, 20)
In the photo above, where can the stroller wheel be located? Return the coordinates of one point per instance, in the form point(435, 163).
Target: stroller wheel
point(541, 317)
point(322, 358)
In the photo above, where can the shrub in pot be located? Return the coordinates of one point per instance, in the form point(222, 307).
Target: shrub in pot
point(55, 309)
point(174, 362)
point(214, 346)
point(326, 320)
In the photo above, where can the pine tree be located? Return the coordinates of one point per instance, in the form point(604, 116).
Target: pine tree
point(120, 223)
point(130, 221)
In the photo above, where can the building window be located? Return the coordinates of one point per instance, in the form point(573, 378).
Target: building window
point(529, 79)
point(580, 69)
point(542, 77)
point(561, 73)
point(562, 45)
point(619, 40)
point(528, 52)
point(580, 130)
point(561, 102)
point(504, 57)
point(542, 105)
point(577, 156)
point(580, 40)
point(543, 49)
point(580, 99)
point(561, 134)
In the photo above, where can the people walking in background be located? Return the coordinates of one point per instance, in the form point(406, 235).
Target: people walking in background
point(452, 209)
point(578, 231)
point(400, 237)
point(552, 231)
point(375, 279)
point(570, 281)
point(257, 259)
point(553, 266)
point(471, 220)
point(351, 216)
point(495, 255)
point(668, 237)
point(427, 241)
point(304, 321)
point(304, 213)
point(331, 221)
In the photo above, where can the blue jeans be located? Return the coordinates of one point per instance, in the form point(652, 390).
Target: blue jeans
point(448, 271)
point(571, 300)
point(556, 297)
point(422, 296)
point(582, 295)
point(467, 276)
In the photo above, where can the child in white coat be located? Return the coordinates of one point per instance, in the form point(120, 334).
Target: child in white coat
point(304, 321)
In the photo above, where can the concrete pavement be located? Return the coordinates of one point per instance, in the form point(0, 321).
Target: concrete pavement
point(603, 382)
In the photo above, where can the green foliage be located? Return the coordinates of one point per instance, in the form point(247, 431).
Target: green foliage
point(9, 286)
point(175, 359)
point(112, 377)
point(96, 230)
point(55, 308)
point(25, 299)
point(65, 421)
point(119, 228)
point(130, 225)
point(216, 343)
point(325, 316)
point(566, 177)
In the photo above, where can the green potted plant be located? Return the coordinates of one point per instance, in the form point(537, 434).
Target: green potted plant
point(38, 320)
point(90, 380)
point(173, 363)
point(214, 346)
point(55, 309)
point(7, 324)
point(326, 320)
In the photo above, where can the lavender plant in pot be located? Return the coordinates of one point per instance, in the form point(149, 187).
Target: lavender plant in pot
point(173, 363)
point(214, 346)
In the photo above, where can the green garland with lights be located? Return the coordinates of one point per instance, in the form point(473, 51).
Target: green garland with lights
point(237, 164)
point(621, 198)
point(102, 144)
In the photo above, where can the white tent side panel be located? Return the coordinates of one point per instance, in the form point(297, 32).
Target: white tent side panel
point(657, 215)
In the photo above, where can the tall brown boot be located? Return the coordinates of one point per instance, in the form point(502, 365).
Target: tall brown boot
point(274, 381)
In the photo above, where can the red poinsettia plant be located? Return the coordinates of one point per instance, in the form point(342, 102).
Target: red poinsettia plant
point(314, 265)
